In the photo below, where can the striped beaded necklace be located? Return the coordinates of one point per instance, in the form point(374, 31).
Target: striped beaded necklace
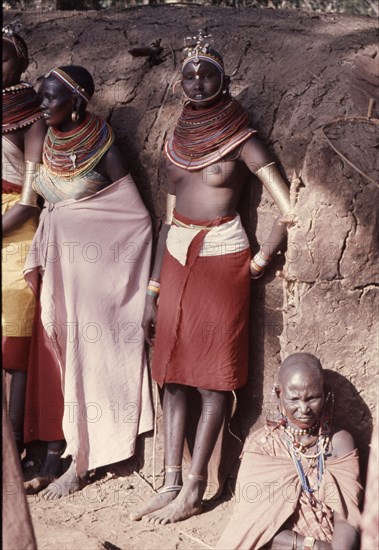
point(298, 451)
point(74, 154)
point(21, 107)
point(203, 136)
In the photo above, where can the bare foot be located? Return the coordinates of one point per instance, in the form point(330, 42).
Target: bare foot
point(186, 505)
point(67, 484)
point(165, 495)
point(36, 484)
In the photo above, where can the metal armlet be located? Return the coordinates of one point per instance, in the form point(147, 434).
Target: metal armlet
point(275, 185)
point(28, 195)
point(170, 206)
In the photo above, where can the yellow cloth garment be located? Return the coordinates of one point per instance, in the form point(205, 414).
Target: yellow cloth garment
point(17, 298)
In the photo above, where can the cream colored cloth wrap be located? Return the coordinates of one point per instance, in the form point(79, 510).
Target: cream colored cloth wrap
point(228, 238)
point(94, 254)
point(268, 492)
point(17, 299)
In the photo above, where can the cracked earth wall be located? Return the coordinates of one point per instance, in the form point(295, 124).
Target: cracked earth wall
point(292, 71)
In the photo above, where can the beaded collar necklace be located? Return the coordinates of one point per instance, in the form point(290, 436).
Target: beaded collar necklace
point(21, 107)
point(73, 154)
point(204, 136)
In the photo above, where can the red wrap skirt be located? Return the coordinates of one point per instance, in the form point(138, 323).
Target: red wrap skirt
point(203, 314)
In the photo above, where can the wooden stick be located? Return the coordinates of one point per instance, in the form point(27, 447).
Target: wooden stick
point(195, 539)
point(371, 105)
point(145, 481)
point(349, 162)
point(155, 430)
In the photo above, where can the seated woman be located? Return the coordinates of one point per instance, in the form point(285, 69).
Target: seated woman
point(93, 247)
point(298, 485)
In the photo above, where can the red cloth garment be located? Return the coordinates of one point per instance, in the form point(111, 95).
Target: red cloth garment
point(7, 187)
point(15, 352)
point(44, 398)
point(203, 312)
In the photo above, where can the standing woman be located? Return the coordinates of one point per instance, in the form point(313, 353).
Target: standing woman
point(93, 246)
point(23, 132)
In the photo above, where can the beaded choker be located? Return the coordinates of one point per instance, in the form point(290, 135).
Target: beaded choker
point(204, 136)
point(310, 431)
point(21, 107)
point(73, 154)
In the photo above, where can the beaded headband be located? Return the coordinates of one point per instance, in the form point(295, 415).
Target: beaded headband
point(69, 83)
point(201, 50)
point(10, 35)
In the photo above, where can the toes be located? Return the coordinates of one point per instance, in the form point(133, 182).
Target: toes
point(151, 519)
point(48, 494)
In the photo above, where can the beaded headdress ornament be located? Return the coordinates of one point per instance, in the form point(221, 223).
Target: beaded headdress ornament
point(201, 50)
point(69, 83)
point(10, 34)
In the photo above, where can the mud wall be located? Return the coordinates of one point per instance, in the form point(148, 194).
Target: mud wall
point(292, 71)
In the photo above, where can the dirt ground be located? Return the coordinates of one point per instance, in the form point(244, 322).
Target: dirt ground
point(96, 518)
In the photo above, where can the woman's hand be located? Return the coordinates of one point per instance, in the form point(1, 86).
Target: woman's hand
point(149, 319)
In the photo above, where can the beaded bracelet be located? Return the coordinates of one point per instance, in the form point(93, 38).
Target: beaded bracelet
point(309, 543)
point(256, 266)
point(259, 268)
point(152, 293)
point(153, 288)
point(261, 259)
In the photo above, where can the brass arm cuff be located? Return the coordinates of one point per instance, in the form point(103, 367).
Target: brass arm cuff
point(28, 195)
point(275, 185)
point(170, 206)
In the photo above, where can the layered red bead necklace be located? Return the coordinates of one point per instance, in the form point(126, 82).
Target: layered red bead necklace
point(73, 154)
point(21, 107)
point(202, 136)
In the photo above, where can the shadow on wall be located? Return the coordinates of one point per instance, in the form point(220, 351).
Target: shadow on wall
point(125, 121)
point(352, 413)
point(258, 212)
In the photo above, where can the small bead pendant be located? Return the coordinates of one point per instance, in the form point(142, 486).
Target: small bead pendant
point(73, 160)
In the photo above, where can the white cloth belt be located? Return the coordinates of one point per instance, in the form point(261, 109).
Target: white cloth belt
point(227, 238)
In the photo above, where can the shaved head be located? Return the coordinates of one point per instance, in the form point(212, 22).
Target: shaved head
point(301, 363)
point(301, 390)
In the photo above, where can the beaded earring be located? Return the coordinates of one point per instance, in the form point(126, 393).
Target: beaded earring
point(282, 419)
